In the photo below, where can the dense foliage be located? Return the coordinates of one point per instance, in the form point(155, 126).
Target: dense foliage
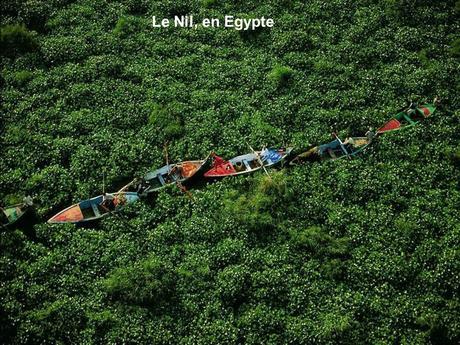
point(362, 251)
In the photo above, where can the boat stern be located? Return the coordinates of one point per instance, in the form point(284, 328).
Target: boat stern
point(72, 214)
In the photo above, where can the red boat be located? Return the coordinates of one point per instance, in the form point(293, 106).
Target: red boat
point(247, 163)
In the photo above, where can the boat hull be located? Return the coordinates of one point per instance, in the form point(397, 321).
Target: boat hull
point(249, 163)
point(184, 173)
point(92, 209)
point(333, 150)
point(407, 118)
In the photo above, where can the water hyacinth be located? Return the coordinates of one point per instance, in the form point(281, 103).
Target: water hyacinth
point(351, 251)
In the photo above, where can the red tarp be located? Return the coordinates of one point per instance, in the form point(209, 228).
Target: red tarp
point(218, 161)
point(220, 167)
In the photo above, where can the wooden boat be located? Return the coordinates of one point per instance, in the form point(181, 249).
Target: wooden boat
point(336, 149)
point(94, 208)
point(247, 163)
point(409, 117)
point(13, 214)
point(182, 173)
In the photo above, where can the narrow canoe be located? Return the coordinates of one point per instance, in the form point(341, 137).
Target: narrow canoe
point(183, 173)
point(93, 209)
point(334, 150)
point(247, 163)
point(408, 117)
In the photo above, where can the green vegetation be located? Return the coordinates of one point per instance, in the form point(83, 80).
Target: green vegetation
point(16, 39)
point(149, 283)
point(280, 75)
point(209, 3)
point(120, 27)
point(361, 251)
point(455, 50)
point(167, 120)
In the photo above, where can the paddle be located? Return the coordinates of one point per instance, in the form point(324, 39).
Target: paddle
point(167, 160)
point(128, 185)
point(115, 214)
point(176, 166)
point(178, 184)
point(342, 146)
point(103, 206)
point(103, 181)
point(165, 149)
point(259, 160)
point(183, 189)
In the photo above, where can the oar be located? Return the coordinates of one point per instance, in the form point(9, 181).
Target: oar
point(103, 181)
point(113, 213)
point(128, 185)
point(116, 215)
point(260, 161)
point(178, 184)
point(342, 146)
point(167, 161)
point(103, 192)
point(166, 156)
point(183, 189)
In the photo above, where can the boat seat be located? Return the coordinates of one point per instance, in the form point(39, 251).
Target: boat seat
point(88, 212)
point(95, 209)
point(332, 153)
point(161, 179)
point(408, 119)
point(246, 164)
point(344, 149)
point(175, 176)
